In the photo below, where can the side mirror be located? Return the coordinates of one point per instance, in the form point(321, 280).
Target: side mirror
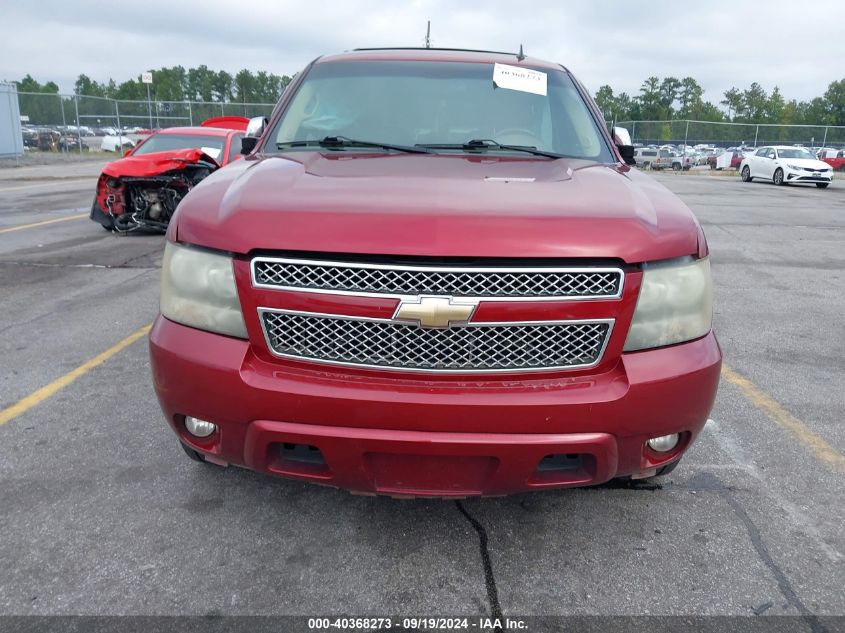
point(127, 152)
point(256, 125)
point(622, 139)
point(254, 130)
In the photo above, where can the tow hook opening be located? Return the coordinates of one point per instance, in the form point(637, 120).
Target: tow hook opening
point(304, 460)
point(563, 468)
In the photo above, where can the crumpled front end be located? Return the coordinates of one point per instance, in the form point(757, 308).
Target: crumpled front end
point(144, 191)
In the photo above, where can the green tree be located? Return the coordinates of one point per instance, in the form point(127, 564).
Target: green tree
point(775, 107)
point(689, 96)
point(668, 93)
point(605, 101)
point(733, 101)
point(835, 98)
point(649, 99)
point(755, 101)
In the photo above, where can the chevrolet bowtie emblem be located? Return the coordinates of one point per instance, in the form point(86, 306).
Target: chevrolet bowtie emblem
point(435, 312)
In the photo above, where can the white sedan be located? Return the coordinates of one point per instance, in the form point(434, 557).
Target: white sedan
point(783, 165)
point(115, 143)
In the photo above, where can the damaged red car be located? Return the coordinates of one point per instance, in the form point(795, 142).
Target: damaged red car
point(143, 188)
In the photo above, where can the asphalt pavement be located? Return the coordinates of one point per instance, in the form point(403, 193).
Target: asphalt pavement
point(101, 513)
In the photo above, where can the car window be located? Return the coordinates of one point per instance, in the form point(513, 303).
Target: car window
point(410, 103)
point(211, 145)
point(235, 148)
point(763, 151)
point(798, 152)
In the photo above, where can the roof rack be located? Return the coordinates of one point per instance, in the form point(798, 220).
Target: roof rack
point(421, 48)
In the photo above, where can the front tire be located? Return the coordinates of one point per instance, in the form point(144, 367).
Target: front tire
point(822, 185)
point(745, 174)
point(668, 468)
point(194, 455)
point(778, 177)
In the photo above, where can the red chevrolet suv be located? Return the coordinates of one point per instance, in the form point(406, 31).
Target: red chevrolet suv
point(434, 274)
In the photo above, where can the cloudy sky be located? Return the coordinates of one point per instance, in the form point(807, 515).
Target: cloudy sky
point(797, 46)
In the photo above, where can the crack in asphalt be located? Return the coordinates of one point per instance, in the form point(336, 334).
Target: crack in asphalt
point(124, 265)
point(71, 301)
point(489, 578)
point(710, 482)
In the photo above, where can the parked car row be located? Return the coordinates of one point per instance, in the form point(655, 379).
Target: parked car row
point(678, 157)
point(52, 139)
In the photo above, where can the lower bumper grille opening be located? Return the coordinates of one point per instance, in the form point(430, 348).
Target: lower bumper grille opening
point(565, 468)
point(298, 459)
point(569, 461)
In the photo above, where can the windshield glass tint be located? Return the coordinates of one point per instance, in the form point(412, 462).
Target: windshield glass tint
point(795, 153)
point(211, 145)
point(410, 103)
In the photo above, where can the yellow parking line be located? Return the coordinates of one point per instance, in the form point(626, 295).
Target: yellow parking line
point(38, 396)
point(34, 224)
point(47, 184)
point(784, 419)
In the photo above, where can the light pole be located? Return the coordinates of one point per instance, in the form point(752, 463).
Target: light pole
point(147, 78)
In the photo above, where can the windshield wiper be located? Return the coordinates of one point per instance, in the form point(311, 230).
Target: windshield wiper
point(481, 144)
point(341, 142)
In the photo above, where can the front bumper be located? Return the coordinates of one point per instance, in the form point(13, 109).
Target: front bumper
point(802, 175)
point(100, 216)
point(422, 436)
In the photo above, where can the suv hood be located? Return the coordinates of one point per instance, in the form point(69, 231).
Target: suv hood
point(437, 205)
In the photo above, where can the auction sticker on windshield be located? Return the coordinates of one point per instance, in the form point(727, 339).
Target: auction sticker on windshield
point(516, 78)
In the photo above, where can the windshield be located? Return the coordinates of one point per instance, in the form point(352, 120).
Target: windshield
point(211, 145)
point(437, 103)
point(795, 153)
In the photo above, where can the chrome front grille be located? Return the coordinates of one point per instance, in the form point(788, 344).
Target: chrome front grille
point(470, 348)
point(504, 283)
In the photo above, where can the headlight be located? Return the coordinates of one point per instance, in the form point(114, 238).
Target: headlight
point(198, 289)
point(675, 304)
point(795, 167)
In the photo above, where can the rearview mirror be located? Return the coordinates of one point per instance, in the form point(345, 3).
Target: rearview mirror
point(622, 139)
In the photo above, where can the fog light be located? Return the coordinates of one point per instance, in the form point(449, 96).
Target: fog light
point(664, 443)
point(199, 428)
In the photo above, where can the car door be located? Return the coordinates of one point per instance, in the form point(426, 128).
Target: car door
point(770, 163)
point(755, 162)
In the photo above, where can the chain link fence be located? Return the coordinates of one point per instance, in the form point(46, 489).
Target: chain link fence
point(74, 123)
point(71, 120)
point(683, 132)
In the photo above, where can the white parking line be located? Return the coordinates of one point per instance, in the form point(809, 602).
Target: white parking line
point(21, 227)
point(48, 184)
